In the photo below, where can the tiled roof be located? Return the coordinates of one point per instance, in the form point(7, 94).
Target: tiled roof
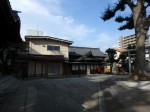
point(83, 51)
point(119, 49)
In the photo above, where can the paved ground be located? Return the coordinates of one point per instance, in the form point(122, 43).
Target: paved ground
point(103, 93)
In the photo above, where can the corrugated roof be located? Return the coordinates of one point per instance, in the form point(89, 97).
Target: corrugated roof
point(85, 50)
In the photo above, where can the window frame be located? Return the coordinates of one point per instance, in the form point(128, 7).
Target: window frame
point(53, 48)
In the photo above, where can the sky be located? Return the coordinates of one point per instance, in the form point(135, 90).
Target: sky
point(74, 20)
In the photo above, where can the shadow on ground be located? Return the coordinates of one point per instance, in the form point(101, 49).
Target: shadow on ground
point(84, 94)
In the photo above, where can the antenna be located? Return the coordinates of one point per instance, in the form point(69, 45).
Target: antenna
point(37, 26)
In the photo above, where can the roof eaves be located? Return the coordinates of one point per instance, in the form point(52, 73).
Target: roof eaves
point(48, 37)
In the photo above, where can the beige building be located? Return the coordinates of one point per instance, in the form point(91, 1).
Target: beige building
point(44, 45)
point(46, 56)
point(131, 39)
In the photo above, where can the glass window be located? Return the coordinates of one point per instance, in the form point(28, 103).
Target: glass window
point(53, 48)
point(49, 47)
point(57, 48)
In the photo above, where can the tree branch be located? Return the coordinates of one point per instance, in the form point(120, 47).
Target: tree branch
point(128, 25)
point(140, 4)
point(148, 1)
point(130, 4)
point(121, 19)
point(148, 20)
point(108, 14)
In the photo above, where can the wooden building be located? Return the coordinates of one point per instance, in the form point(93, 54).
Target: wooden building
point(46, 57)
point(84, 60)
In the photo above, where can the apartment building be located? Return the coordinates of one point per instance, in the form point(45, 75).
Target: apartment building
point(131, 39)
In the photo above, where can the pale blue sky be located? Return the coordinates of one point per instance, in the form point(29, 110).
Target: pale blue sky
point(75, 20)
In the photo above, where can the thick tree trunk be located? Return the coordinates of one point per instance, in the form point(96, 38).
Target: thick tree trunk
point(140, 33)
point(139, 67)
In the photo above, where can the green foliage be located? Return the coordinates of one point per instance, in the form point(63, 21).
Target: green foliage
point(139, 19)
point(17, 46)
point(131, 46)
point(110, 12)
point(111, 54)
point(123, 56)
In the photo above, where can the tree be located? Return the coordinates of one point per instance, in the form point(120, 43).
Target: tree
point(123, 57)
point(139, 20)
point(111, 55)
point(131, 46)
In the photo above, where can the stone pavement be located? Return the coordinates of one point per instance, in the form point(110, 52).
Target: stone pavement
point(100, 93)
point(128, 98)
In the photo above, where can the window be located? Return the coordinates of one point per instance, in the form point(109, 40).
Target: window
point(53, 48)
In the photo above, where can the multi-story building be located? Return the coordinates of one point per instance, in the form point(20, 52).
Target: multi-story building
point(50, 56)
point(131, 39)
point(46, 56)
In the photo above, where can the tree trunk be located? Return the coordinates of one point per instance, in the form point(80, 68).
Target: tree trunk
point(139, 67)
point(139, 72)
